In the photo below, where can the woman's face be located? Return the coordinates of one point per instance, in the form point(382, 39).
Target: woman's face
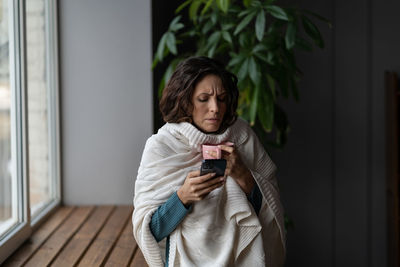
point(209, 105)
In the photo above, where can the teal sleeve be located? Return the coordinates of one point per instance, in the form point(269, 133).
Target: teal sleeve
point(255, 198)
point(167, 217)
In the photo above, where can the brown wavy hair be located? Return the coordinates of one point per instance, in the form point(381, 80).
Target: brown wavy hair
point(176, 101)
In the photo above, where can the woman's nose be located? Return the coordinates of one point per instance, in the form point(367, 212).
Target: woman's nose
point(214, 105)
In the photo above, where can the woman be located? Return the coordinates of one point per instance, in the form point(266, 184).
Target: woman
point(184, 219)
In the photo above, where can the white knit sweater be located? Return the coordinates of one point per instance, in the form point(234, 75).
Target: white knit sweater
point(222, 229)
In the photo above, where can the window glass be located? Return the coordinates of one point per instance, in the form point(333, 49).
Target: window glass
point(40, 179)
point(8, 205)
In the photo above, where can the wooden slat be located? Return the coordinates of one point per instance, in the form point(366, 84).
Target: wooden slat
point(102, 245)
point(49, 250)
point(79, 244)
point(31, 245)
point(138, 259)
point(124, 249)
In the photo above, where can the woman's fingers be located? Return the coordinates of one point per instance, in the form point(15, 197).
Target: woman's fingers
point(210, 183)
point(202, 179)
point(193, 174)
point(202, 193)
point(228, 149)
point(199, 186)
point(196, 187)
point(213, 154)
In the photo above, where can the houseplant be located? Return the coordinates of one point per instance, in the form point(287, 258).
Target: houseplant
point(256, 40)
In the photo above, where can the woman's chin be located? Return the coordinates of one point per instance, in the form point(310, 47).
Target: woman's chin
point(210, 129)
point(207, 128)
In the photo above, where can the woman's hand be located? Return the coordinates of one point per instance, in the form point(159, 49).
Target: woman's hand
point(196, 187)
point(236, 169)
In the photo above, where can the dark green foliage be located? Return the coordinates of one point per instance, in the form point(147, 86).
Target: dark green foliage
point(256, 40)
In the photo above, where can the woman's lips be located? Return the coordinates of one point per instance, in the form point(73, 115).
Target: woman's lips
point(212, 120)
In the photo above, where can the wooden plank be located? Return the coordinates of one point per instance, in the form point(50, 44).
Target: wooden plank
point(138, 259)
point(79, 244)
point(49, 250)
point(23, 254)
point(125, 248)
point(102, 245)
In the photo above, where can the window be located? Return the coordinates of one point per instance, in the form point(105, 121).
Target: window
point(29, 135)
point(8, 205)
point(43, 162)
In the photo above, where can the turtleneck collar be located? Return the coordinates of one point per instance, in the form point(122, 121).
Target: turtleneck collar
point(194, 136)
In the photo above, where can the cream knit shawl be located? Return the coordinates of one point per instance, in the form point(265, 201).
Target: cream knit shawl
point(222, 229)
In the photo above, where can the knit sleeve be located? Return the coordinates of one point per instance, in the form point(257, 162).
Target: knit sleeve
point(167, 217)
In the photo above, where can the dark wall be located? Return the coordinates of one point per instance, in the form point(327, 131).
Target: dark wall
point(332, 171)
point(162, 14)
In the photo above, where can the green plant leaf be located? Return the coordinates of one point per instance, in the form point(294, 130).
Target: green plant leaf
point(277, 12)
point(290, 36)
point(254, 104)
point(214, 39)
point(261, 54)
point(266, 110)
point(211, 51)
point(270, 58)
point(227, 27)
point(256, 3)
point(247, 3)
point(177, 27)
point(262, 57)
point(207, 27)
point(161, 47)
point(189, 33)
point(206, 7)
point(174, 23)
point(243, 70)
point(155, 62)
point(194, 7)
point(313, 32)
point(254, 71)
point(182, 6)
point(214, 18)
point(260, 25)
point(236, 60)
point(244, 22)
point(244, 12)
point(243, 39)
point(227, 37)
point(171, 42)
point(223, 5)
point(258, 48)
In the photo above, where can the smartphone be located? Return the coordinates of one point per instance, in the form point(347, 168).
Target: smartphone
point(213, 165)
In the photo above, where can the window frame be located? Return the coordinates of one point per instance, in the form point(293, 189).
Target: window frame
point(18, 82)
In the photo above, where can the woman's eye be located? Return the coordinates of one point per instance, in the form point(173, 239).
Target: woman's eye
point(203, 99)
